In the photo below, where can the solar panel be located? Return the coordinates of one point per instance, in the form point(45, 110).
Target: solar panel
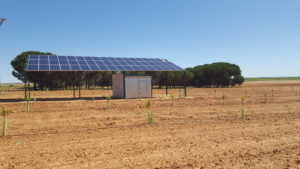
point(80, 63)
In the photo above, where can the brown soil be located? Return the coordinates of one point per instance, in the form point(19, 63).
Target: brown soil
point(196, 132)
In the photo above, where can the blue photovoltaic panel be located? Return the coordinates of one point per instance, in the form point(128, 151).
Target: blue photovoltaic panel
point(44, 57)
point(33, 67)
point(95, 68)
point(91, 62)
point(80, 63)
point(103, 67)
point(63, 62)
point(75, 67)
point(62, 57)
point(54, 62)
point(33, 62)
point(72, 62)
point(54, 67)
point(65, 67)
point(34, 57)
point(44, 67)
point(43, 62)
point(85, 67)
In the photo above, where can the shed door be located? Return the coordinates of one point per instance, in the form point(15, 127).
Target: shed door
point(136, 87)
point(143, 88)
point(131, 87)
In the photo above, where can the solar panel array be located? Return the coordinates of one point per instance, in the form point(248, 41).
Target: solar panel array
point(80, 63)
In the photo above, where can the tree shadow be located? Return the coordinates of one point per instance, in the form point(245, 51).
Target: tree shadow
point(11, 100)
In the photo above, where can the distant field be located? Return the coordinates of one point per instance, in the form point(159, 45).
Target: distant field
point(11, 86)
point(271, 78)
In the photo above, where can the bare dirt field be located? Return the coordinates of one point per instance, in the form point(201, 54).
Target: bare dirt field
point(195, 132)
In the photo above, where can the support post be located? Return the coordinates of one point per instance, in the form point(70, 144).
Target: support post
point(74, 91)
point(166, 90)
point(184, 83)
point(74, 85)
point(151, 74)
point(29, 94)
point(86, 81)
point(79, 91)
point(25, 90)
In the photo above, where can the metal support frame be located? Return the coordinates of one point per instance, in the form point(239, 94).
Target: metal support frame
point(184, 83)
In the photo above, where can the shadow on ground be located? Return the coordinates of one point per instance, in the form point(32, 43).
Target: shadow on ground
point(53, 99)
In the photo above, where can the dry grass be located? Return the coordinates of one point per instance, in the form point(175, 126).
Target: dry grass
point(197, 131)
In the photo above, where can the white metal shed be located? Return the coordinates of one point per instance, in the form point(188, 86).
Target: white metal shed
point(129, 86)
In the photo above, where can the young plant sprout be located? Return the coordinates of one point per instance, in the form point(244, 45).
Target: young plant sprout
point(242, 108)
point(4, 113)
point(34, 97)
point(150, 115)
point(172, 98)
point(292, 90)
point(215, 93)
point(242, 112)
point(180, 94)
point(272, 92)
point(108, 98)
point(93, 98)
point(27, 104)
point(139, 93)
point(223, 98)
point(243, 100)
point(265, 101)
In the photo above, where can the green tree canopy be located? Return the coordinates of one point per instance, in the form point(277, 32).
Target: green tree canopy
point(220, 74)
point(20, 62)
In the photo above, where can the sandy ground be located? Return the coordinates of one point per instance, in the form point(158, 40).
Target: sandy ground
point(193, 132)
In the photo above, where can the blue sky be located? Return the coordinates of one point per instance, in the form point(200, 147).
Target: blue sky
point(261, 36)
